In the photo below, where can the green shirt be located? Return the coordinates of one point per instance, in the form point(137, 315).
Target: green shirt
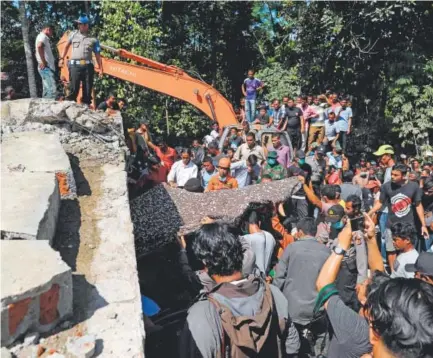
point(276, 172)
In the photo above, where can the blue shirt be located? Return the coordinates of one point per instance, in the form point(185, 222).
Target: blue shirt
point(331, 129)
point(251, 86)
point(343, 119)
point(277, 115)
point(205, 177)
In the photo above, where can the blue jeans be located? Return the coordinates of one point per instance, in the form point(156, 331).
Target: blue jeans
point(48, 83)
point(250, 109)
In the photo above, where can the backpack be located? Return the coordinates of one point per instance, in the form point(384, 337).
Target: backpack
point(262, 335)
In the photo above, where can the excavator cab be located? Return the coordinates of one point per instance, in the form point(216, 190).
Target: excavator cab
point(263, 137)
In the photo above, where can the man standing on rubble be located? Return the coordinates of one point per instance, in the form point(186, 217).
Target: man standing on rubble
point(81, 68)
point(46, 63)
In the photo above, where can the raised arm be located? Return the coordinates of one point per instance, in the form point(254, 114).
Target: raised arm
point(309, 192)
point(331, 267)
point(374, 257)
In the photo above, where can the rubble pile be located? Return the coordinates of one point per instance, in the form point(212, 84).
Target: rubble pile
point(161, 213)
point(89, 134)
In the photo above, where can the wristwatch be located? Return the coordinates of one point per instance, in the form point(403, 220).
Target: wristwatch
point(338, 250)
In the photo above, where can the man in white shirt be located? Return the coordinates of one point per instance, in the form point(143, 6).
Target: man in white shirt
point(182, 170)
point(45, 58)
point(248, 148)
point(403, 238)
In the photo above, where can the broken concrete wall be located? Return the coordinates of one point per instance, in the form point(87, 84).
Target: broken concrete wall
point(94, 143)
point(36, 288)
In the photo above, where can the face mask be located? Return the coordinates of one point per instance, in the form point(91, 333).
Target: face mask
point(222, 179)
point(301, 161)
point(272, 162)
point(337, 225)
point(234, 136)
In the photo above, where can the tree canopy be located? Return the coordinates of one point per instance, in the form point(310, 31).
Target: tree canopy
point(378, 53)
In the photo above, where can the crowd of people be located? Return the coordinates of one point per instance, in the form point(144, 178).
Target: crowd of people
point(343, 268)
point(323, 119)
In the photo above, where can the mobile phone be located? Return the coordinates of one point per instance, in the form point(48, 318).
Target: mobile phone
point(357, 223)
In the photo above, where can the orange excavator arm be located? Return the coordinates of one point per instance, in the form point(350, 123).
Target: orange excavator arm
point(169, 80)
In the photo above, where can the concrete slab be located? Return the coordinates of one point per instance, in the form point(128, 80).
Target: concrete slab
point(41, 153)
point(30, 205)
point(114, 269)
point(15, 112)
point(36, 288)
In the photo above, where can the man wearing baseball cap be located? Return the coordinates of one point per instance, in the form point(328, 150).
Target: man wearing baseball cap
point(385, 154)
point(423, 267)
point(81, 68)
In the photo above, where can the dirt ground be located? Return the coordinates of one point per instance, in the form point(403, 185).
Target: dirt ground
point(76, 239)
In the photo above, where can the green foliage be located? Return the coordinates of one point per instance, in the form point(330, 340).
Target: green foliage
point(379, 53)
point(280, 82)
point(410, 107)
point(130, 25)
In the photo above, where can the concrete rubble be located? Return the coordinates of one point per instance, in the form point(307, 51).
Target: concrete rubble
point(81, 347)
point(33, 299)
point(82, 132)
point(161, 213)
point(5, 353)
point(112, 310)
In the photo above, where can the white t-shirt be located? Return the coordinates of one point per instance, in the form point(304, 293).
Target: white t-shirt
point(47, 50)
point(181, 173)
point(400, 262)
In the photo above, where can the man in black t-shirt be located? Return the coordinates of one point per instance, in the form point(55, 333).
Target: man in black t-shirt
point(109, 103)
point(294, 123)
point(401, 198)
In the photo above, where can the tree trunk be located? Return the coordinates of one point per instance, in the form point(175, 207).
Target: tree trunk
point(86, 7)
point(28, 50)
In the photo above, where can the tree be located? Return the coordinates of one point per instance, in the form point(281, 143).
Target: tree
point(410, 108)
point(280, 82)
point(27, 49)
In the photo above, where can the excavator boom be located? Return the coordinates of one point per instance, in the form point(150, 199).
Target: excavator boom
point(169, 80)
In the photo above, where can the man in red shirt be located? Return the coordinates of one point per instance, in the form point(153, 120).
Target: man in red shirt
point(167, 154)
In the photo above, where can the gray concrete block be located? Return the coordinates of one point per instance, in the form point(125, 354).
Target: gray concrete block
point(30, 206)
point(41, 153)
point(36, 289)
point(15, 112)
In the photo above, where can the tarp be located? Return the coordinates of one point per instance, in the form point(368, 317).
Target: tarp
point(162, 212)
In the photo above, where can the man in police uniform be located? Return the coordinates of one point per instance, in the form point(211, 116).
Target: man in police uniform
point(80, 64)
